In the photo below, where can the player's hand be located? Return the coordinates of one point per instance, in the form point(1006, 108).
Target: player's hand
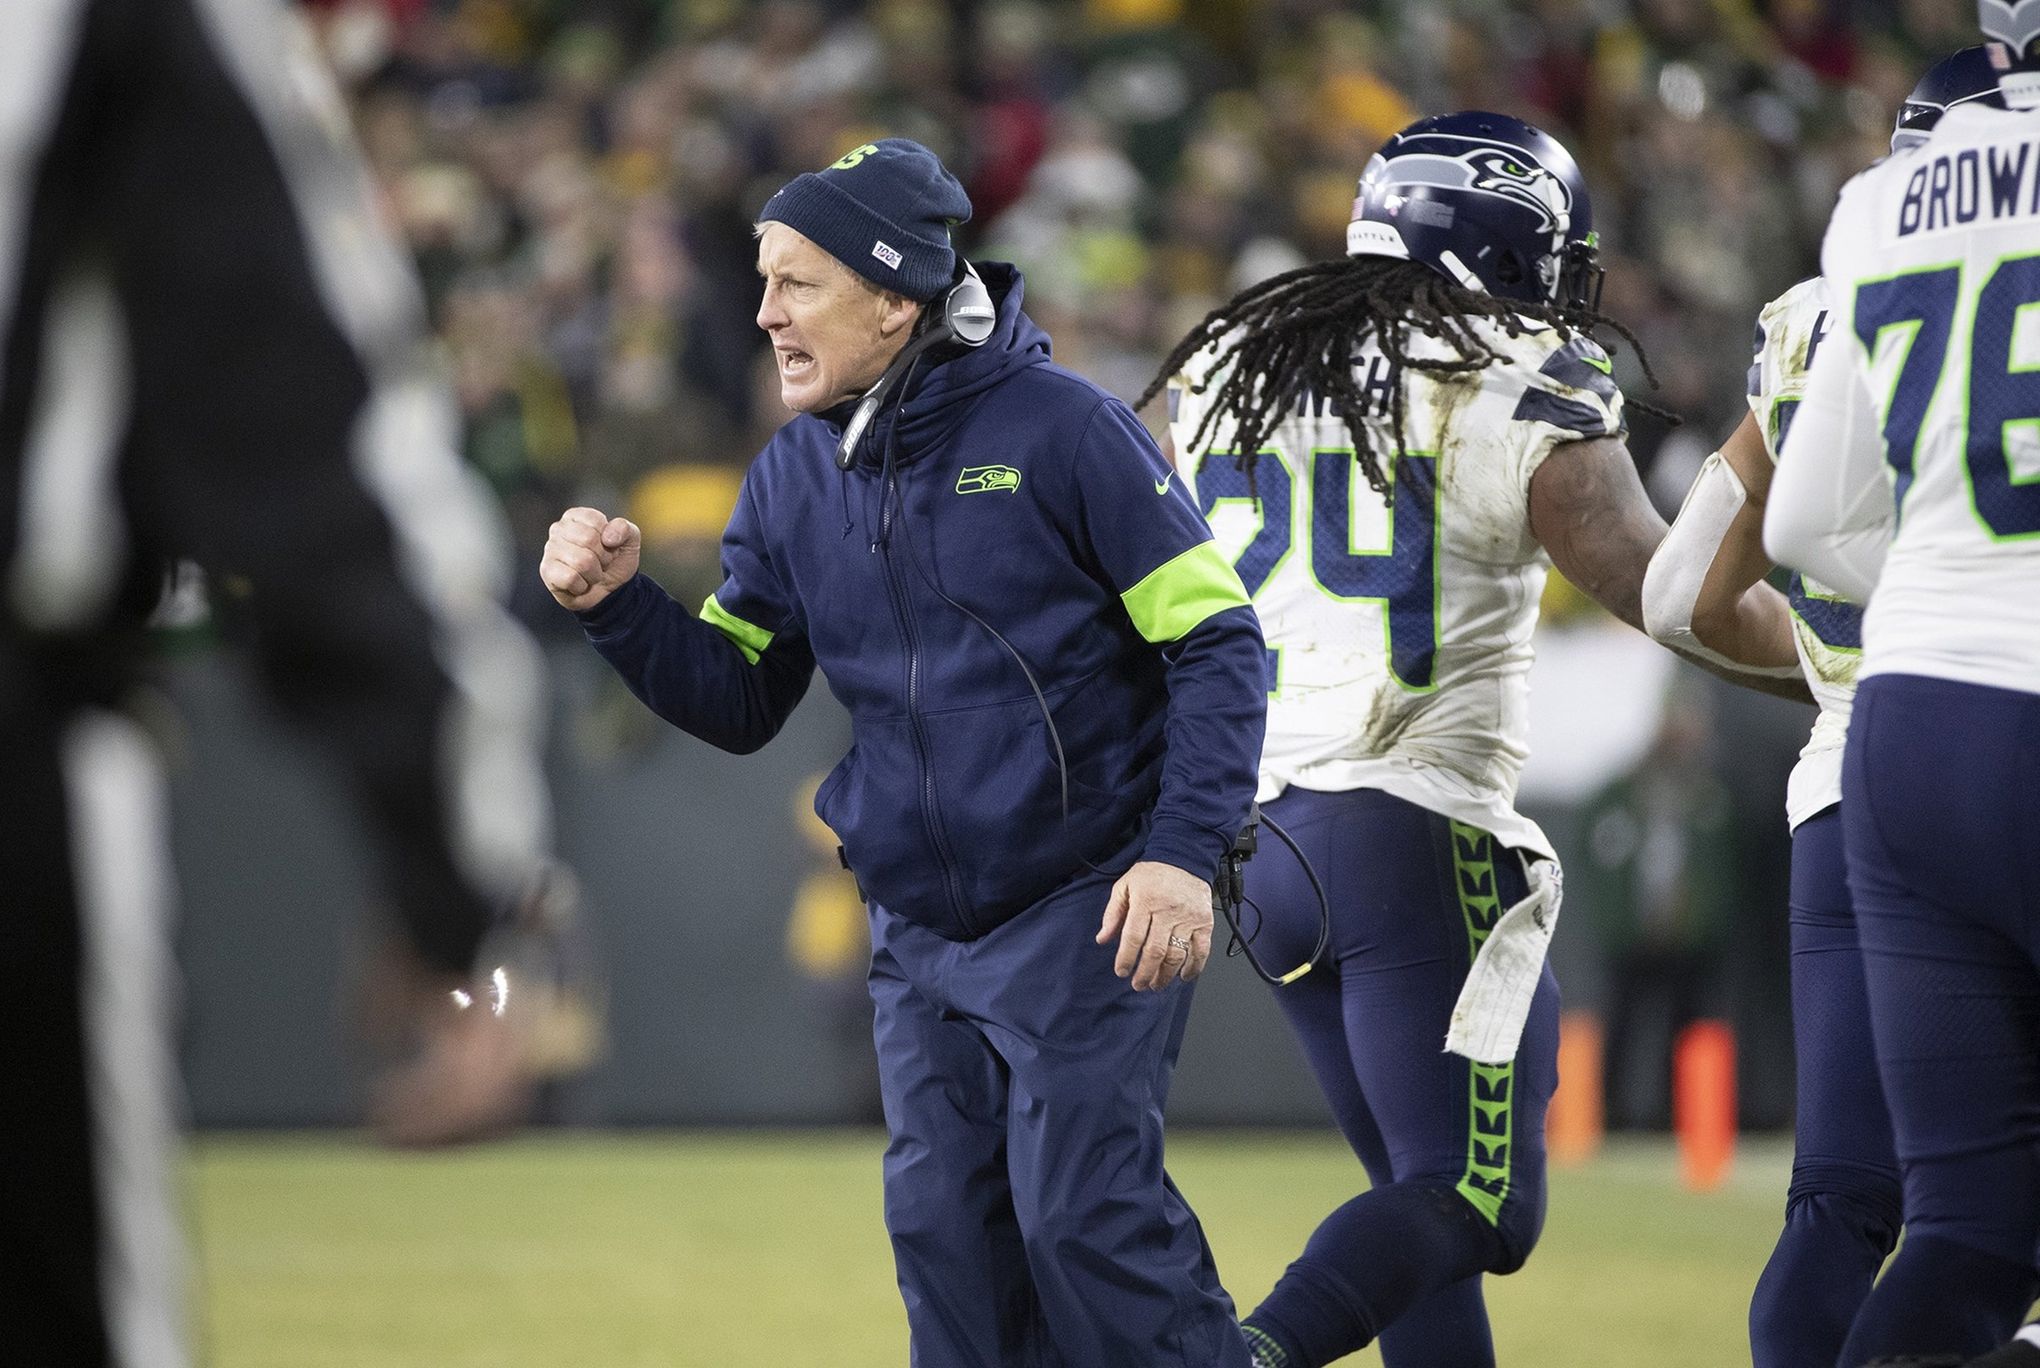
point(1162, 916)
point(587, 555)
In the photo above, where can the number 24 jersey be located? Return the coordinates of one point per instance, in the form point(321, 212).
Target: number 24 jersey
point(1398, 630)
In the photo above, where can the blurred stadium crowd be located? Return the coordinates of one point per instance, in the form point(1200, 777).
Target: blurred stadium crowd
point(577, 179)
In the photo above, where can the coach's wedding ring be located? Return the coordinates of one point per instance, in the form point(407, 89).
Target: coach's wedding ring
point(1179, 943)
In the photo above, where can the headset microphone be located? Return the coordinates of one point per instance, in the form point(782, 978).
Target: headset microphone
point(965, 314)
point(875, 397)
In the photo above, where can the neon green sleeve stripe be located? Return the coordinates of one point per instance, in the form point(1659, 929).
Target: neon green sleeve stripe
point(751, 640)
point(1179, 594)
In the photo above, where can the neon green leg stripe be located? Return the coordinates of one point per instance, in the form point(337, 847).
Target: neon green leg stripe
point(1491, 1096)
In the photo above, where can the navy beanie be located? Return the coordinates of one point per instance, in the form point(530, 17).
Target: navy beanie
point(883, 210)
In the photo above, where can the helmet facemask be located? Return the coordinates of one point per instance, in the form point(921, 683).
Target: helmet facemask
point(1580, 275)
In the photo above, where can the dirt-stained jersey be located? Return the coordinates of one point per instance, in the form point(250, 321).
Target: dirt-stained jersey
point(1399, 630)
point(1932, 261)
point(1828, 628)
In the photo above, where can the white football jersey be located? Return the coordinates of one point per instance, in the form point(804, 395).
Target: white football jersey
point(1933, 264)
point(1827, 628)
point(1399, 631)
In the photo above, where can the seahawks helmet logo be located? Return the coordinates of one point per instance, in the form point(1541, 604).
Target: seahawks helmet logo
point(1481, 169)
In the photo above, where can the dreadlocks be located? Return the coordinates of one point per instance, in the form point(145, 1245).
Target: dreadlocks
point(1294, 336)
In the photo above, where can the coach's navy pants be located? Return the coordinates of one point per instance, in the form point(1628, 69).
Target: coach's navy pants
point(1941, 809)
point(1454, 1149)
point(1032, 1223)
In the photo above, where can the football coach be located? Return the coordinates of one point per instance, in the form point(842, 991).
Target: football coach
point(1056, 688)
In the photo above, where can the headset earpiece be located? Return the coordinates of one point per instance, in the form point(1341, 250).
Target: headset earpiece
point(968, 311)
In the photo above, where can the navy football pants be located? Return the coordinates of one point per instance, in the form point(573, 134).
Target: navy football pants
point(1842, 1210)
point(1032, 1223)
point(1454, 1150)
point(1941, 806)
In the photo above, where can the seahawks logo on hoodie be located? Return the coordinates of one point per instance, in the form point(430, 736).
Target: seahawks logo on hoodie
point(986, 478)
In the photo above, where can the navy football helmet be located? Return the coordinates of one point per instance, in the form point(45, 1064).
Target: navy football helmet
point(1967, 77)
point(1486, 200)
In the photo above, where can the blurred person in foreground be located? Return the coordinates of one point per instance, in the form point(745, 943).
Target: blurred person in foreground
point(211, 355)
point(1843, 1212)
point(1907, 485)
point(1054, 683)
point(1397, 444)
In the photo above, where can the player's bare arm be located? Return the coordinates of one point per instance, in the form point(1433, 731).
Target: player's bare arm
point(1737, 613)
point(1589, 512)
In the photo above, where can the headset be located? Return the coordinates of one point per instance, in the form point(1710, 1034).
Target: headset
point(1229, 895)
point(963, 314)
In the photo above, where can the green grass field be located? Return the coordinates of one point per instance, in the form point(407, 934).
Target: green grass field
point(766, 1250)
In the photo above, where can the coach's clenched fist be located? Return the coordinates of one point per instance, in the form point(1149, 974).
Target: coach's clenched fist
point(587, 555)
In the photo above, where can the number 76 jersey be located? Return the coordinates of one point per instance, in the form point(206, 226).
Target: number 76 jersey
point(1932, 263)
point(1398, 630)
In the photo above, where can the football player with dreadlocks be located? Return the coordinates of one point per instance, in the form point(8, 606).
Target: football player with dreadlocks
point(1842, 1210)
point(1391, 445)
point(1909, 484)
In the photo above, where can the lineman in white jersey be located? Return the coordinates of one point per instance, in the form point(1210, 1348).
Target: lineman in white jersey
point(1429, 419)
point(1842, 1213)
point(1911, 480)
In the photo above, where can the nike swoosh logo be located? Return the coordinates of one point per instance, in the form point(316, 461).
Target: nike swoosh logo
point(1603, 365)
point(1162, 486)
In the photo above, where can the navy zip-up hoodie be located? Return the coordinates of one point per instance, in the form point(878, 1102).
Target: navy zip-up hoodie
point(1037, 502)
